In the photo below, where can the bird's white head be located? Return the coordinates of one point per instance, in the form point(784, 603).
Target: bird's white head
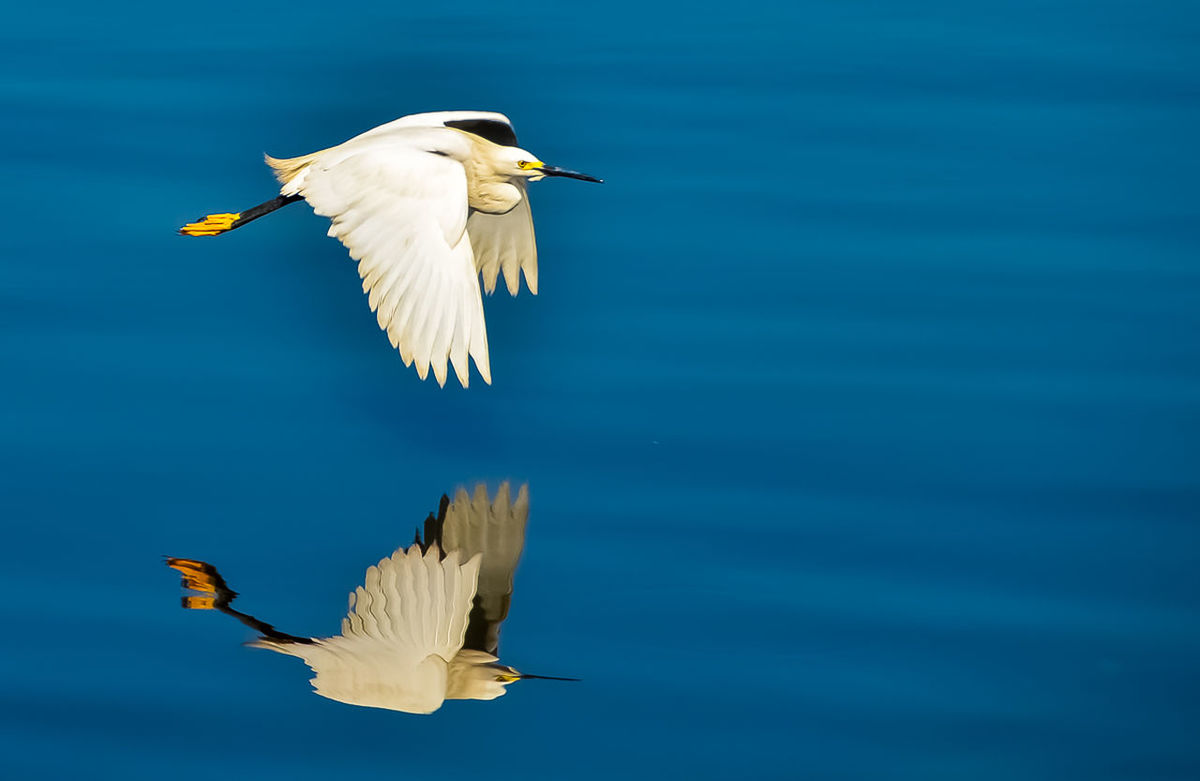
point(525, 165)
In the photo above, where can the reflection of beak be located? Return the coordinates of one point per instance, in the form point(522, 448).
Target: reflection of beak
point(516, 676)
point(553, 170)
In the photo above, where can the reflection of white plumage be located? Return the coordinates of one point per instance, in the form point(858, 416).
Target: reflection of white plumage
point(405, 627)
point(425, 204)
point(424, 626)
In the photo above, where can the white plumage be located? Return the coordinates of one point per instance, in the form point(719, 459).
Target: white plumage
point(401, 214)
point(405, 627)
point(425, 204)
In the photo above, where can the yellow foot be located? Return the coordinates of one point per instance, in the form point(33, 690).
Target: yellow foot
point(212, 225)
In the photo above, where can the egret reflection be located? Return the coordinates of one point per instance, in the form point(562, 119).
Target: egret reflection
point(425, 625)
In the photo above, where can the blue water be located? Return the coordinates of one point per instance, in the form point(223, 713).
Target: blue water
point(859, 407)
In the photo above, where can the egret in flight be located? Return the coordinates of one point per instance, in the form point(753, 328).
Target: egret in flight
point(425, 625)
point(425, 204)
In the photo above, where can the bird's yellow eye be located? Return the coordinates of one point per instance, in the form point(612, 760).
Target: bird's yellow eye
point(522, 164)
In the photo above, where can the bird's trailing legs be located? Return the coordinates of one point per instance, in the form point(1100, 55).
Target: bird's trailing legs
point(216, 224)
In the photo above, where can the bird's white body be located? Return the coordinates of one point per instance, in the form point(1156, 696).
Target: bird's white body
point(426, 208)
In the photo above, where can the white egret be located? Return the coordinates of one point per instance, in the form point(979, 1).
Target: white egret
point(425, 625)
point(425, 204)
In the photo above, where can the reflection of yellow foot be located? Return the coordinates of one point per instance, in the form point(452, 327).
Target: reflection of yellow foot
point(199, 603)
point(197, 575)
point(212, 225)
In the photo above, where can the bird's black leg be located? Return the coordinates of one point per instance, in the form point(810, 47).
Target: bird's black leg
point(216, 224)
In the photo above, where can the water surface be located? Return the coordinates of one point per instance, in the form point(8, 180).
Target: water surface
point(858, 407)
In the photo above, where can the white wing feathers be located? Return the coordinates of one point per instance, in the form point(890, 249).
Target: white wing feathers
point(433, 119)
point(415, 603)
point(496, 530)
point(402, 213)
point(502, 242)
point(406, 623)
point(505, 242)
point(401, 209)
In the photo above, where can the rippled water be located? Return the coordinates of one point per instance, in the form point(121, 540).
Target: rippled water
point(858, 408)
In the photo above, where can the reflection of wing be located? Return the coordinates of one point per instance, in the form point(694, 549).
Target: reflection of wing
point(406, 623)
point(497, 531)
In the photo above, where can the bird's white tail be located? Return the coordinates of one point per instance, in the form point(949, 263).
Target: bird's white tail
point(275, 645)
point(289, 170)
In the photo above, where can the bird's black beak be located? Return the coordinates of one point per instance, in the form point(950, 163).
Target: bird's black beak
point(553, 170)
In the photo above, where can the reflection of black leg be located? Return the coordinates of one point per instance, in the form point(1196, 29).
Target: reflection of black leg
point(266, 630)
point(203, 577)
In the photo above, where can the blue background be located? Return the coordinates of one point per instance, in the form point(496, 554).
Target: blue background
point(859, 407)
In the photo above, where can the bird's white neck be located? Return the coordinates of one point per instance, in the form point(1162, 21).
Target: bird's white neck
point(493, 197)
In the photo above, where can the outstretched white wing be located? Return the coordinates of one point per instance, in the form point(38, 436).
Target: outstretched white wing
point(406, 624)
point(415, 602)
point(402, 212)
point(505, 242)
